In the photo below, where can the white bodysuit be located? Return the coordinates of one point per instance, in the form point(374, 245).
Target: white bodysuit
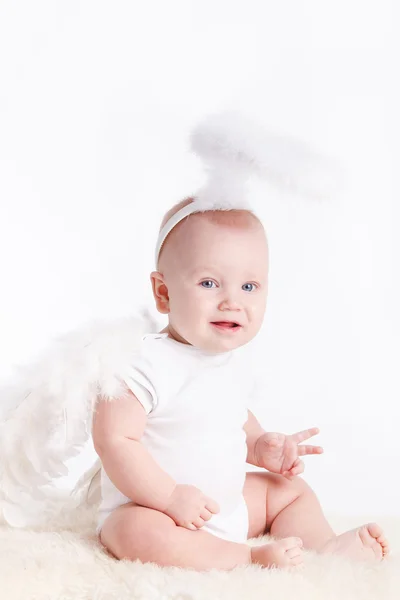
point(196, 406)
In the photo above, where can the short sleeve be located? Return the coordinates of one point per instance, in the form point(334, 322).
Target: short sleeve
point(140, 380)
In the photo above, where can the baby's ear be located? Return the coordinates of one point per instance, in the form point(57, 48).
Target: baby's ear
point(160, 292)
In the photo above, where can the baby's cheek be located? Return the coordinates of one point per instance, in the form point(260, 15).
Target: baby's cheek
point(198, 300)
point(257, 307)
point(256, 316)
point(187, 309)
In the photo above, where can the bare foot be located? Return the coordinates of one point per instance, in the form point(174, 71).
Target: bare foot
point(282, 553)
point(366, 543)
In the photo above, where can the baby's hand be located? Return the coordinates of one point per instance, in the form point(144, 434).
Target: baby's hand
point(280, 453)
point(189, 507)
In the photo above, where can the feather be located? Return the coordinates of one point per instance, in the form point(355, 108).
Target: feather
point(46, 417)
point(233, 147)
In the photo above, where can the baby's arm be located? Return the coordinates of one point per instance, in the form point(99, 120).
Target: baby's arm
point(118, 426)
point(117, 429)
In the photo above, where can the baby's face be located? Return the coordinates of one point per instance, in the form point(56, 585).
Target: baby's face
point(215, 280)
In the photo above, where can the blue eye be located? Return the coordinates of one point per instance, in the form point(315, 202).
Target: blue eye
point(248, 287)
point(206, 283)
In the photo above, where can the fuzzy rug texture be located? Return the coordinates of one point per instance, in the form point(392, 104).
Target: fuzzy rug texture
point(66, 562)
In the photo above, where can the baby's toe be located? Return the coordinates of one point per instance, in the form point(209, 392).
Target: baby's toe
point(294, 552)
point(297, 561)
point(370, 535)
point(374, 530)
point(294, 557)
point(291, 542)
point(384, 543)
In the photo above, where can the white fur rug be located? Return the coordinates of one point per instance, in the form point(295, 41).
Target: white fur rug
point(68, 563)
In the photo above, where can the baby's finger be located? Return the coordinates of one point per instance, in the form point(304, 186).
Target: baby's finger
point(301, 436)
point(297, 468)
point(198, 523)
point(304, 449)
point(290, 458)
point(211, 505)
point(205, 514)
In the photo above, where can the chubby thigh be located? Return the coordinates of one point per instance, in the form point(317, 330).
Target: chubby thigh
point(266, 495)
point(136, 532)
point(133, 532)
point(227, 525)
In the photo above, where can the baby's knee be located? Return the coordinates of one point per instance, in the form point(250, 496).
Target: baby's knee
point(293, 488)
point(139, 534)
point(301, 486)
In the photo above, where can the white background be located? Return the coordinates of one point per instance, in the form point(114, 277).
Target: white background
point(97, 100)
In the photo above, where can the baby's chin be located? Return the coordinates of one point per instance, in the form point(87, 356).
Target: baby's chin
point(219, 341)
point(211, 338)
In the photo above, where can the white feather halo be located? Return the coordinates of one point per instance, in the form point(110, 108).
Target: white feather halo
point(233, 147)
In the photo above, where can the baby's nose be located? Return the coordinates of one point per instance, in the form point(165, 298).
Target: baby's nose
point(229, 304)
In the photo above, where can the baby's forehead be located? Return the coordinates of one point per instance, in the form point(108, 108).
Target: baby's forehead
point(229, 252)
point(221, 225)
point(211, 237)
point(249, 269)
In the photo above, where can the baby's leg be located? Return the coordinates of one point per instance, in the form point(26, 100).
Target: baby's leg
point(285, 507)
point(135, 532)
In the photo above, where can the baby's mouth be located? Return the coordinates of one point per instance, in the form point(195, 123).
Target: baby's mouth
point(226, 325)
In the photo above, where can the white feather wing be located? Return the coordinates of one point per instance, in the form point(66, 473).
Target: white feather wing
point(46, 418)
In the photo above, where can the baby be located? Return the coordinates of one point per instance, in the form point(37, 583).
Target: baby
point(174, 449)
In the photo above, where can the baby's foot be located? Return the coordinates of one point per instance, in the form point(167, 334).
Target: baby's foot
point(282, 553)
point(366, 543)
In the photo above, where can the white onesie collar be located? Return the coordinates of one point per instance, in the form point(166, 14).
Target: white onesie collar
point(188, 349)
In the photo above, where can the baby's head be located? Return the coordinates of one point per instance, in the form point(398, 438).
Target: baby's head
point(212, 278)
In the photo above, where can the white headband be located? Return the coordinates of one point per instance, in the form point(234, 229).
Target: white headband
point(194, 207)
point(171, 223)
point(233, 147)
